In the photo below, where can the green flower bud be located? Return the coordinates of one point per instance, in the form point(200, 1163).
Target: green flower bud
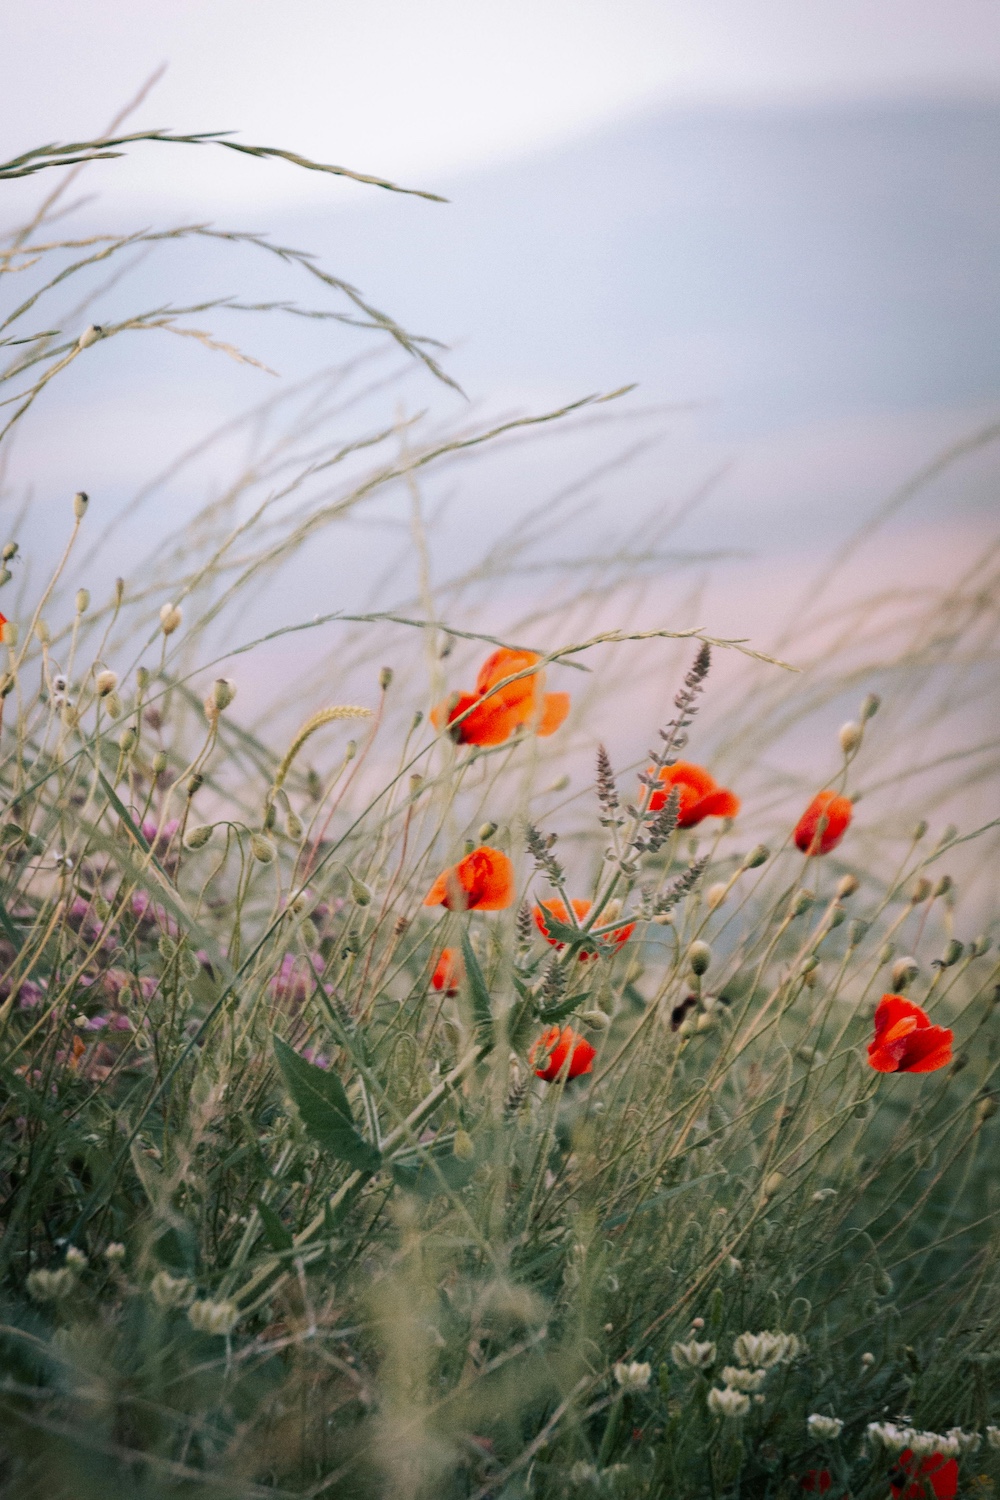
point(82, 601)
point(699, 957)
point(262, 849)
point(80, 502)
point(198, 837)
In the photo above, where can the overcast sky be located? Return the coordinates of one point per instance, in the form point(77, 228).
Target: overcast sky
point(420, 88)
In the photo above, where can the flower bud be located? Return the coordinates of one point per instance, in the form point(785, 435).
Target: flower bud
point(385, 679)
point(716, 894)
point(870, 707)
point(159, 762)
point(633, 1376)
point(486, 831)
point(90, 336)
point(944, 885)
point(885, 953)
point(857, 932)
point(9, 551)
point(261, 848)
point(223, 692)
point(904, 971)
point(216, 1318)
point(170, 618)
point(360, 894)
point(699, 957)
point(294, 826)
point(951, 954)
point(837, 916)
point(846, 886)
point(198, 837)
point(850, 737)
point(127, 739)
point(43, 633)
point(80, 502)
point(10, 633)
point(82, 601)
point(105, 682)
point(418, 719)
point(980, 946)
point(987, 1106)
point(5, 576)
point(350, 750)
point(113, 704)
point(919, 830)
point(802, 902)
point(867, 1359)
point(463, 1146)
point(598, 1020)
point(825, 1428)
point(773, 1183)
point(921, 890)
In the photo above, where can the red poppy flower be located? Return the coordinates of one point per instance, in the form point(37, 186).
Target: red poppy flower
point(557, 909)
point(3, 626)
point(834, 813)
point(905, 1040)
point(701, 796)
point(554, 1046)
point(816, 1479)
point(497, 713)
point(447, 975)
point(933, 1478)
point(483, 880)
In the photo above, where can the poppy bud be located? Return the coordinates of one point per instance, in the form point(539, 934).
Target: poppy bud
point(43, 632)
point(951, 955)
point(486, 831)
point(596, 1019)
point(159, 762)
point(170, 618)
point(269, 816)
point(261, 848)
point(350, 750)
point(837, 916)
point(90, 336)
point(195, 783)
point(886, 952)
point(857, 931)
point(463, 1146)
point(294, 826)
point(802, 902)
point(360, 894)
point(987, 1107)
point(82, 601)
point(944, 885)
point(904, 971)
point(773, 1184)
point(114, 705)
point(808, 964)
point(981, 945)
point(80, 502)
point(715, 895)
point(105, 683)
point(919, 830)
point(223, 692)
point(5, 576)
point(127, 739)
point(699, 957)
point(9, 551)
point(846, 886)
point(385, 679)
point(921, 890)
point(142, 678)
point(197, 838)
point(850, 737)
point(870, 707)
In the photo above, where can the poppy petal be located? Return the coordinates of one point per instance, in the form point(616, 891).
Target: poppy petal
point(555, 708)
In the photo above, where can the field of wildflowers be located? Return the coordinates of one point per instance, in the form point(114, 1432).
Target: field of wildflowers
point(382, 1117)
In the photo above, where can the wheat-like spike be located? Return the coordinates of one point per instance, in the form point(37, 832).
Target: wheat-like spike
point(324, 716)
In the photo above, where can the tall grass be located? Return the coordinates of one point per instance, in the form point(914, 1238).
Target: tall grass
point(284, 1216)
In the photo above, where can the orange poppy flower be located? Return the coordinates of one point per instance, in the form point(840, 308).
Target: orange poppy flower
point(837, 812)
point(3, 626)
point(497, 713)
point(554, 1046)
point(557, 909)
point(905, 1039)
point(931, 1478)
point(483, 880)
point(701, 796)
point(447, 975)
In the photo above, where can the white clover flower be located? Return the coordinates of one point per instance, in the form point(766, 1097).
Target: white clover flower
point(76, 1259)
point(921, 1444)
point(744, 1380)
point(170, 1291)
point(767, 1349)
point(824, 1427)
point(888, 1436)
point(634, 1376)
point(51, 1286)
point(993, 1436)
point(968, 1442)
point(114, 1252)
point(216, 1317)
point(583, 1473)
point(693, 1356)
point(727, 1402)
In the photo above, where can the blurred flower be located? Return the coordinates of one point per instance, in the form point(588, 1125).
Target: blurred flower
point(51, 1286)
point(170, 1291)
point(3, 626)
point(634, 1376)
point(218, 1318)
point(557, 910)
point(693, 1355)
point(993, 1436)
point(483, 880)
point(750, 1381)
point(447, 974)
point(933, 1477)
point(830, 811)
point(887, 1435)
point(764, 1350)
point(905, 1040)
point(816, 1479)
point(824, 1427)
point(701, 797)
point(496, 715)
point(728, 1403)
point(294, 982)
point(552, 1049)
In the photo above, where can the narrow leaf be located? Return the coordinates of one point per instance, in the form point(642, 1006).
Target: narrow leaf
point(482, 1009)
point(278, 1236)
point(320, 1099)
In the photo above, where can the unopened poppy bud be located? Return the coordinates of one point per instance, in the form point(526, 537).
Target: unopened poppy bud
point(360, 894)
point(261, 848)
point(170, 618)
point(837, 916)
point(385, 679)
point(9, 551)
point(857, 931)
point(418, 719)
point(951, 954)
point(90, 336)
point(596, 1019)
point(885, 953)
point(416, 783)
point(119, 593)
point(43, 633)
point(463, 1146)
point(486, 831)
point(9, 633)
point(715, 895)
point(846, 886)
point(870, 707)
point(159, 762)
point(469, 845)
point(270, 816)
point(80, 502)
point(773, 1184)
point(802, 902)
point(944, 885)
point(980, 946)
point(699, 957)
point(987, 1107)
point(808, 964)
point(105, 682)
point(294, 826)
point(82, 601)
point(921, 890)
point(198, 837)
point(127, 739)
point(142, 678)
point(350, 750)
point(195, 783)
point(223, 692)
point(919, 830)
point(5, 576)
point(850, 736)
point(904, 971)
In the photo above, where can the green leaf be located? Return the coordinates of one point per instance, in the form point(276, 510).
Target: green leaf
point(482, 1009)
point(320, 1099)
point(432, 1170)
point(565, 1008)
point(278, 1236)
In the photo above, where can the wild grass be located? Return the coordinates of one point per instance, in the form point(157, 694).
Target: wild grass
point(282, 1217)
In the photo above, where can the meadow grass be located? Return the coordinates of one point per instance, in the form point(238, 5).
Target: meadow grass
point(289, 1207)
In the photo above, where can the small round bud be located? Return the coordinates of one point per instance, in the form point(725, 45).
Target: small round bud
point(113, 704)
point(10, 633)
point(360, 894)
point(195, 783)
point(486, 831)
point(837, 916)
point(76, 1259)
point(142, 678)
point(850, 736)
point(867, 1359)
point(416, 784)
point(773, 1184)
point(9, 551)
point(699, 957)
point(119, 593)
point(870, 707)
point(463, 1145)
point(885, 953)
point(469, 845)
point(697, 1324)
point(350, 750)
point(43, 633)
point(921, 890)
point(919, 830)
point(846, 886)
point(802, 901)
point(904, 971)
point(857, 931)
point(944, 885)
point(105, 682)
point(127, 739)
point(223, 692)
point(270, 816)
point(987, 1107)
point(82, 601)
point(115, 1252)
point(597, 1019)
point(716, 894)
point(980, 946)
point(385, 679)
point(951, 954)
point(198, 837)
point(159, 762)
point(5, 576)
point(261, 848)
point(170, 618)
point(808, 964)
point(90, 336)
point(294, 826)
point(80, 502)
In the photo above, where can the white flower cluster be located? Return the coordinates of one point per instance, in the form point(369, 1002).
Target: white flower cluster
point(993, 1436)
point(692, 1355)
point(767, 1349)
point(217, 1318)
point(894, 1438)
point(727, 1402)
point(743, 1380)
point(634, 1376)
point(822, 1427)
point(757, 1353)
